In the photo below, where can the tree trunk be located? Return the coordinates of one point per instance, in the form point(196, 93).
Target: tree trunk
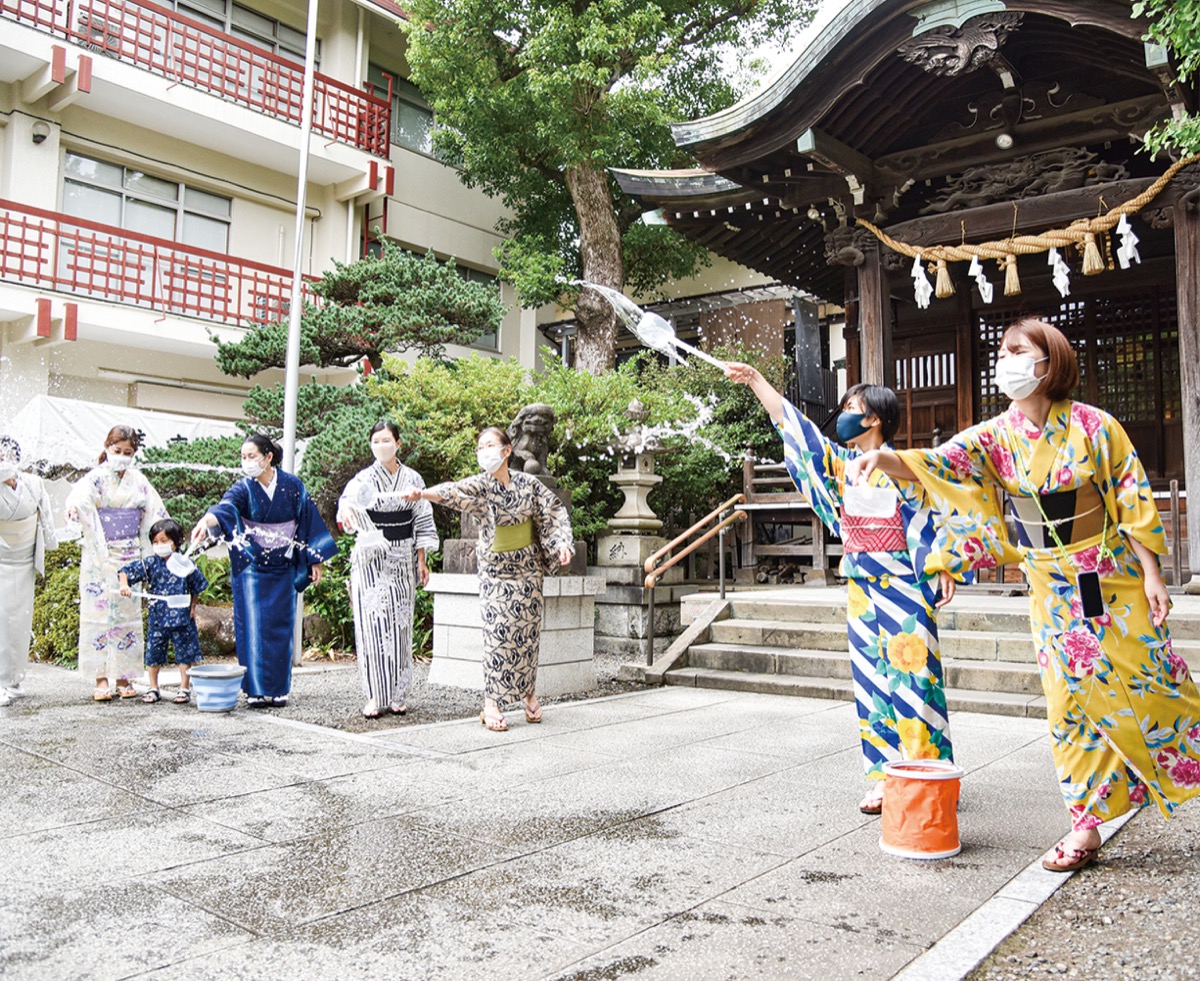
point(600, 249)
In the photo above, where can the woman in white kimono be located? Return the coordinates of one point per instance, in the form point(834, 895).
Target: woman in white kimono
point(26, 532)
point(524, 532)
point(115, 506)
point(388, 561)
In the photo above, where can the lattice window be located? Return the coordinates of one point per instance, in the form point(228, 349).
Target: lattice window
point(1070, 318)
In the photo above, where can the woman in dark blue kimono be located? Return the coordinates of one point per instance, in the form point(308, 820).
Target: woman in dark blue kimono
point(277, 542)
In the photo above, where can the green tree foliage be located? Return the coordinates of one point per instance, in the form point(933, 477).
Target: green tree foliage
point(184, 477)
point(440, 409)
point(1175, 24)
point(392, 302)
point(56, 608)
point(538, 100)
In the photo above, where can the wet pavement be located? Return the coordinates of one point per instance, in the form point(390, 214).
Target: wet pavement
point(666, 833)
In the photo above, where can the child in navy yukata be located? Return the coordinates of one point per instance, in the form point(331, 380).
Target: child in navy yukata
point(173, 624)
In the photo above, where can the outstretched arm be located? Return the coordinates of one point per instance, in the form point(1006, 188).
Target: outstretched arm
point(744, 374)
point(859, 468)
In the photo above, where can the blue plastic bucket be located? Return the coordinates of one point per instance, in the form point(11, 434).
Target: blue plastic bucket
point(216, 686)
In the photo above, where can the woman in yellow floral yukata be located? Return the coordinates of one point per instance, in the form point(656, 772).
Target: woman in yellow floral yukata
point(895, 564)
point(1124, 714)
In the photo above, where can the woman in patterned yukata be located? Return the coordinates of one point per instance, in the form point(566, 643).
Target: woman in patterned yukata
point(277, 544)
point(115, 506)
point(26, 533)
point(896, 570)
point(1124, 714)
point(387, 563)
point(524, 532)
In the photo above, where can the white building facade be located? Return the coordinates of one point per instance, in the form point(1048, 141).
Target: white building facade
point(148, 161)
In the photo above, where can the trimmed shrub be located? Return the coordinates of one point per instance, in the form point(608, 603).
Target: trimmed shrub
point(56, 608)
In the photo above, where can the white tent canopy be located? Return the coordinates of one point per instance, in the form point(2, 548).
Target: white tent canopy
point(57, 431)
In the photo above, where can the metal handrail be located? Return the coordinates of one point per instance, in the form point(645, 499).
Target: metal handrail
point(654, 571)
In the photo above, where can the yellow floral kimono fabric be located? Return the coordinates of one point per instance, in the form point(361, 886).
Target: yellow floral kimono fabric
point(1124, 713)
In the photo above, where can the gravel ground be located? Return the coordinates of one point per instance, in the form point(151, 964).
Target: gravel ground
point(333, 696)
point(1131, 915)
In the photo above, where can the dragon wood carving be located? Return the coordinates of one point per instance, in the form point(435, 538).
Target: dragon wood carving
point(960, 50)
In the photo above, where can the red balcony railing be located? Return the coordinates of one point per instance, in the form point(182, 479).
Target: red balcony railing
point(53, 251)
point(185, 50)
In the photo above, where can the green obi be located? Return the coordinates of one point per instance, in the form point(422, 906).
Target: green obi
point(509, 538)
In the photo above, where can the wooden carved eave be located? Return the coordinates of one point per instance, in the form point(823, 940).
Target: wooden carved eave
point(995, 221)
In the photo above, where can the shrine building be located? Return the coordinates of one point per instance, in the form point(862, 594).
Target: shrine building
point(1012, 126)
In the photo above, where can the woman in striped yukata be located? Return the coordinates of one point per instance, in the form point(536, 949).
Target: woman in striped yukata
point(897, 566)
point(388, 561)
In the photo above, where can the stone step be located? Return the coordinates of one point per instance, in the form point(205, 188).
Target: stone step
point(957, 700)
point(967, 645)
point(994, 676)
point(972, 612)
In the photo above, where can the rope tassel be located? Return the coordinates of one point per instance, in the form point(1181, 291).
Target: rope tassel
point(945, 285)
point(1093, 261)
point(1012, 282)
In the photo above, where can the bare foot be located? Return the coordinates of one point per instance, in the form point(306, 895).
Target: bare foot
point(1076, 850)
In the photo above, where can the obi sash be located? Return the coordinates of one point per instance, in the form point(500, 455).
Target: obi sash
point(120, 524)
point(18, 534)
point(397, 526)
point(1075, 514)
point(862, 533)
point(272, 537)
point(509, 538)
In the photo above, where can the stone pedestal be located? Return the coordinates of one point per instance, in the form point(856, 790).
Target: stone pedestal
point(565, 662)
point(623, 610)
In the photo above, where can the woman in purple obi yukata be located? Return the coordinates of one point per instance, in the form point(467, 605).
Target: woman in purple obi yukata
point(115, 506)
point(277, 544)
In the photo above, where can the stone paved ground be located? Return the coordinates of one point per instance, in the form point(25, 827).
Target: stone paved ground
point(670, 833)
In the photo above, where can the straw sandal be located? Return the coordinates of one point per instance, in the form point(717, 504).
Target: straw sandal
point(183, 696)
point(496, 725)
point(370, 710)
point(872, 803)
point(256, 702)
point(126, 691)
point(1079, 858)
point(532, 717)
point(102, 694)
point(398, 708)
point(152, 696)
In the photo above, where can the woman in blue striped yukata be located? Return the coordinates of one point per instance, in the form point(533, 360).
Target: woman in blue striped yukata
point(897, 564)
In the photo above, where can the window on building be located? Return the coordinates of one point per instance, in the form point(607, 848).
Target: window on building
point(412, 117)
point(129, 198)
point(248, 25)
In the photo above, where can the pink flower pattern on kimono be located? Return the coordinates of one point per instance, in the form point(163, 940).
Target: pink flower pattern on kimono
point(960, 461)
point(1088, 560)
point(1086, 416)
point(1082, 650)
point(1183, 770)
point(1043, 659)
point(1176, 666)
point(1002, 460)
point(1137, 793)
point(975, 555)
point(1066, 476)
point(1081, 820)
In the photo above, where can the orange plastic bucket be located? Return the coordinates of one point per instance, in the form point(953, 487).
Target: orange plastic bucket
point(920, 809)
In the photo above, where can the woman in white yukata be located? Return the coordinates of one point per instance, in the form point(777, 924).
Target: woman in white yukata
point(115, 506)
point(388, 561)
point(524, 532)
point(26, 533)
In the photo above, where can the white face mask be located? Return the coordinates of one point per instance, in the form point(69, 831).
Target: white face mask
point(1016, 376)
point(384, 452)
point(163, 549)
point(490, 458)
point(8, 470)
point(252, 468)
point(119, 461)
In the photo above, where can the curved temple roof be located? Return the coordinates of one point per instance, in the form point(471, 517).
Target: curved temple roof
point(894, 101)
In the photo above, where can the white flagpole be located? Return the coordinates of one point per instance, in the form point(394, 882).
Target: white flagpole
point(291, 381)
